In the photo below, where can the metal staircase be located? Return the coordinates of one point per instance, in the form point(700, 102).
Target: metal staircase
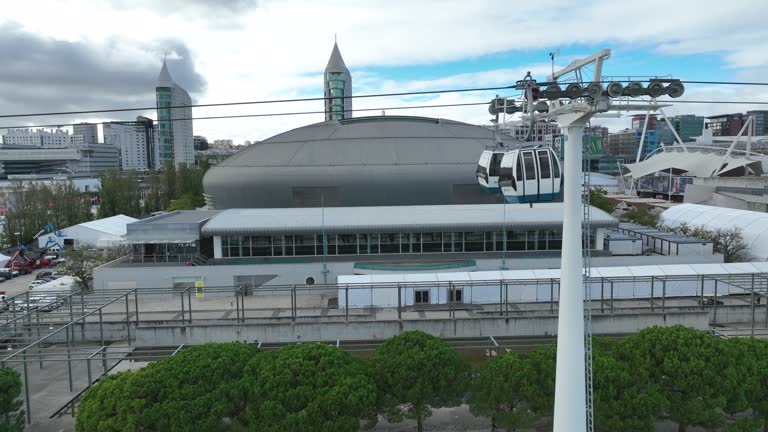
point(587, 237)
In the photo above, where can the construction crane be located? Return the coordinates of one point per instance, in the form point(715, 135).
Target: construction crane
point(21, 251)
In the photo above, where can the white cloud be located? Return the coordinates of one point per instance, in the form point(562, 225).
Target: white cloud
point(277, 49)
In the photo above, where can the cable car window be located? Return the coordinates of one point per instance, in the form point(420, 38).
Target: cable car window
point(506, 178)
point(530, 166)
point(496, 164)
point(555, 167)
point(519, 168)
point(544, 164)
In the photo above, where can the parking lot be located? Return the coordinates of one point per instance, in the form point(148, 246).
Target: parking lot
point(20, 284)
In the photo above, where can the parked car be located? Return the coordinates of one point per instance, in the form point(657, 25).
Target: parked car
point(45, 303)
point(6, 273)
point(36, 282)
point(22, 267)
point(43, 274)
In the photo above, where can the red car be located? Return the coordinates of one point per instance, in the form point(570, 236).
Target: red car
point(23, 267)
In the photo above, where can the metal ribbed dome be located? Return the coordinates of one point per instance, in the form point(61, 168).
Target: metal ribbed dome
point(362, 161)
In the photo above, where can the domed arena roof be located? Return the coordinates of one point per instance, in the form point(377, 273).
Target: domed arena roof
point(363, 161)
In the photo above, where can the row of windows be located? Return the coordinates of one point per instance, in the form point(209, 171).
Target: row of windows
point(389, 243)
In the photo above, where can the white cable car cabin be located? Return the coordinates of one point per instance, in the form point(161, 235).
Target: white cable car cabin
point(530, 175)
point(488, 169)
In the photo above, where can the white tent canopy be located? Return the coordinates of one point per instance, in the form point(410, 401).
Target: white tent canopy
point(694, 162)
point(753, 225)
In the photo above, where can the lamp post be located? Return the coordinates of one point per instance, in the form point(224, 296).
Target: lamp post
point(18, 239)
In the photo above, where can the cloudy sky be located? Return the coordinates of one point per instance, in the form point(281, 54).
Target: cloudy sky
point(101, 54)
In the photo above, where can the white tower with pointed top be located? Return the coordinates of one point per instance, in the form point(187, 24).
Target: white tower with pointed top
point(338, 87)
point(175, 142)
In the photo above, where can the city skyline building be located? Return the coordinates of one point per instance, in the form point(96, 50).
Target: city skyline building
point(136, 141)
point(57, 138)
point(85, 133)
point(175, 135)
point(337, 87)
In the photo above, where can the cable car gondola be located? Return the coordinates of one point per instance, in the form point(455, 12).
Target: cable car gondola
point(488, 169)
point(530, 175)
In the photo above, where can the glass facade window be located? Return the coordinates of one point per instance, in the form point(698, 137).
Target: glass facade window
point(516, 240)
point(336, 103)
point(474, 242)
point(347, 244)
point(304, 244)
point(432, 242)
point(331, 241)
point(391, 243)
point(261, 246)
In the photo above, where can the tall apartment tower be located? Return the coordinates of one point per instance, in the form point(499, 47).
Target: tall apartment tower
point(175, 137)
point(136, 141)
point(85, 133)
point(338, 87)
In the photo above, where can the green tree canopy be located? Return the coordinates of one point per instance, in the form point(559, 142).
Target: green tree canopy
point(119, 193)
point(641, 216)
point(415, 372)
point(312, 388)
point(11, 412)
point(746, 380)
point(502, 389)
point(598, 198)
point(200, 388)
point(623, 400)
point(687, 365)
point(36, 204)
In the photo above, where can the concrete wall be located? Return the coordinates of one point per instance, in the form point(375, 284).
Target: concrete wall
point(698, 194)
point(383, 329)
point(363, 328)
point(115, 276)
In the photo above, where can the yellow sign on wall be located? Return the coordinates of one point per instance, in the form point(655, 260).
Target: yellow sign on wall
point(199, 286)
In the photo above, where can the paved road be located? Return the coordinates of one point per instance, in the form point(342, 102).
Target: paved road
point(19, 284)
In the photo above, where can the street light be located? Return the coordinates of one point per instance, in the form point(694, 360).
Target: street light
point(18, 240)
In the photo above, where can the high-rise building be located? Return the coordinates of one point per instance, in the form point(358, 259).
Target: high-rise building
point(519, 130)
point(37, 138)
point(638, 121)
point(175, 137)
point(85, 133)
point(688, 126)
point(626, 142)
point(726, 124)
point(760, 118)
point(338, 87)
point(136, 141)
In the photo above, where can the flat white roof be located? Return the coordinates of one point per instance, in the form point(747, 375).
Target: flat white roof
point(546, 274)
point(429, 218)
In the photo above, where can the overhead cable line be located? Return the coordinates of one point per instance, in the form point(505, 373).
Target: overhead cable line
point(260, 102)
point(278, 114)
point(311, 99)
